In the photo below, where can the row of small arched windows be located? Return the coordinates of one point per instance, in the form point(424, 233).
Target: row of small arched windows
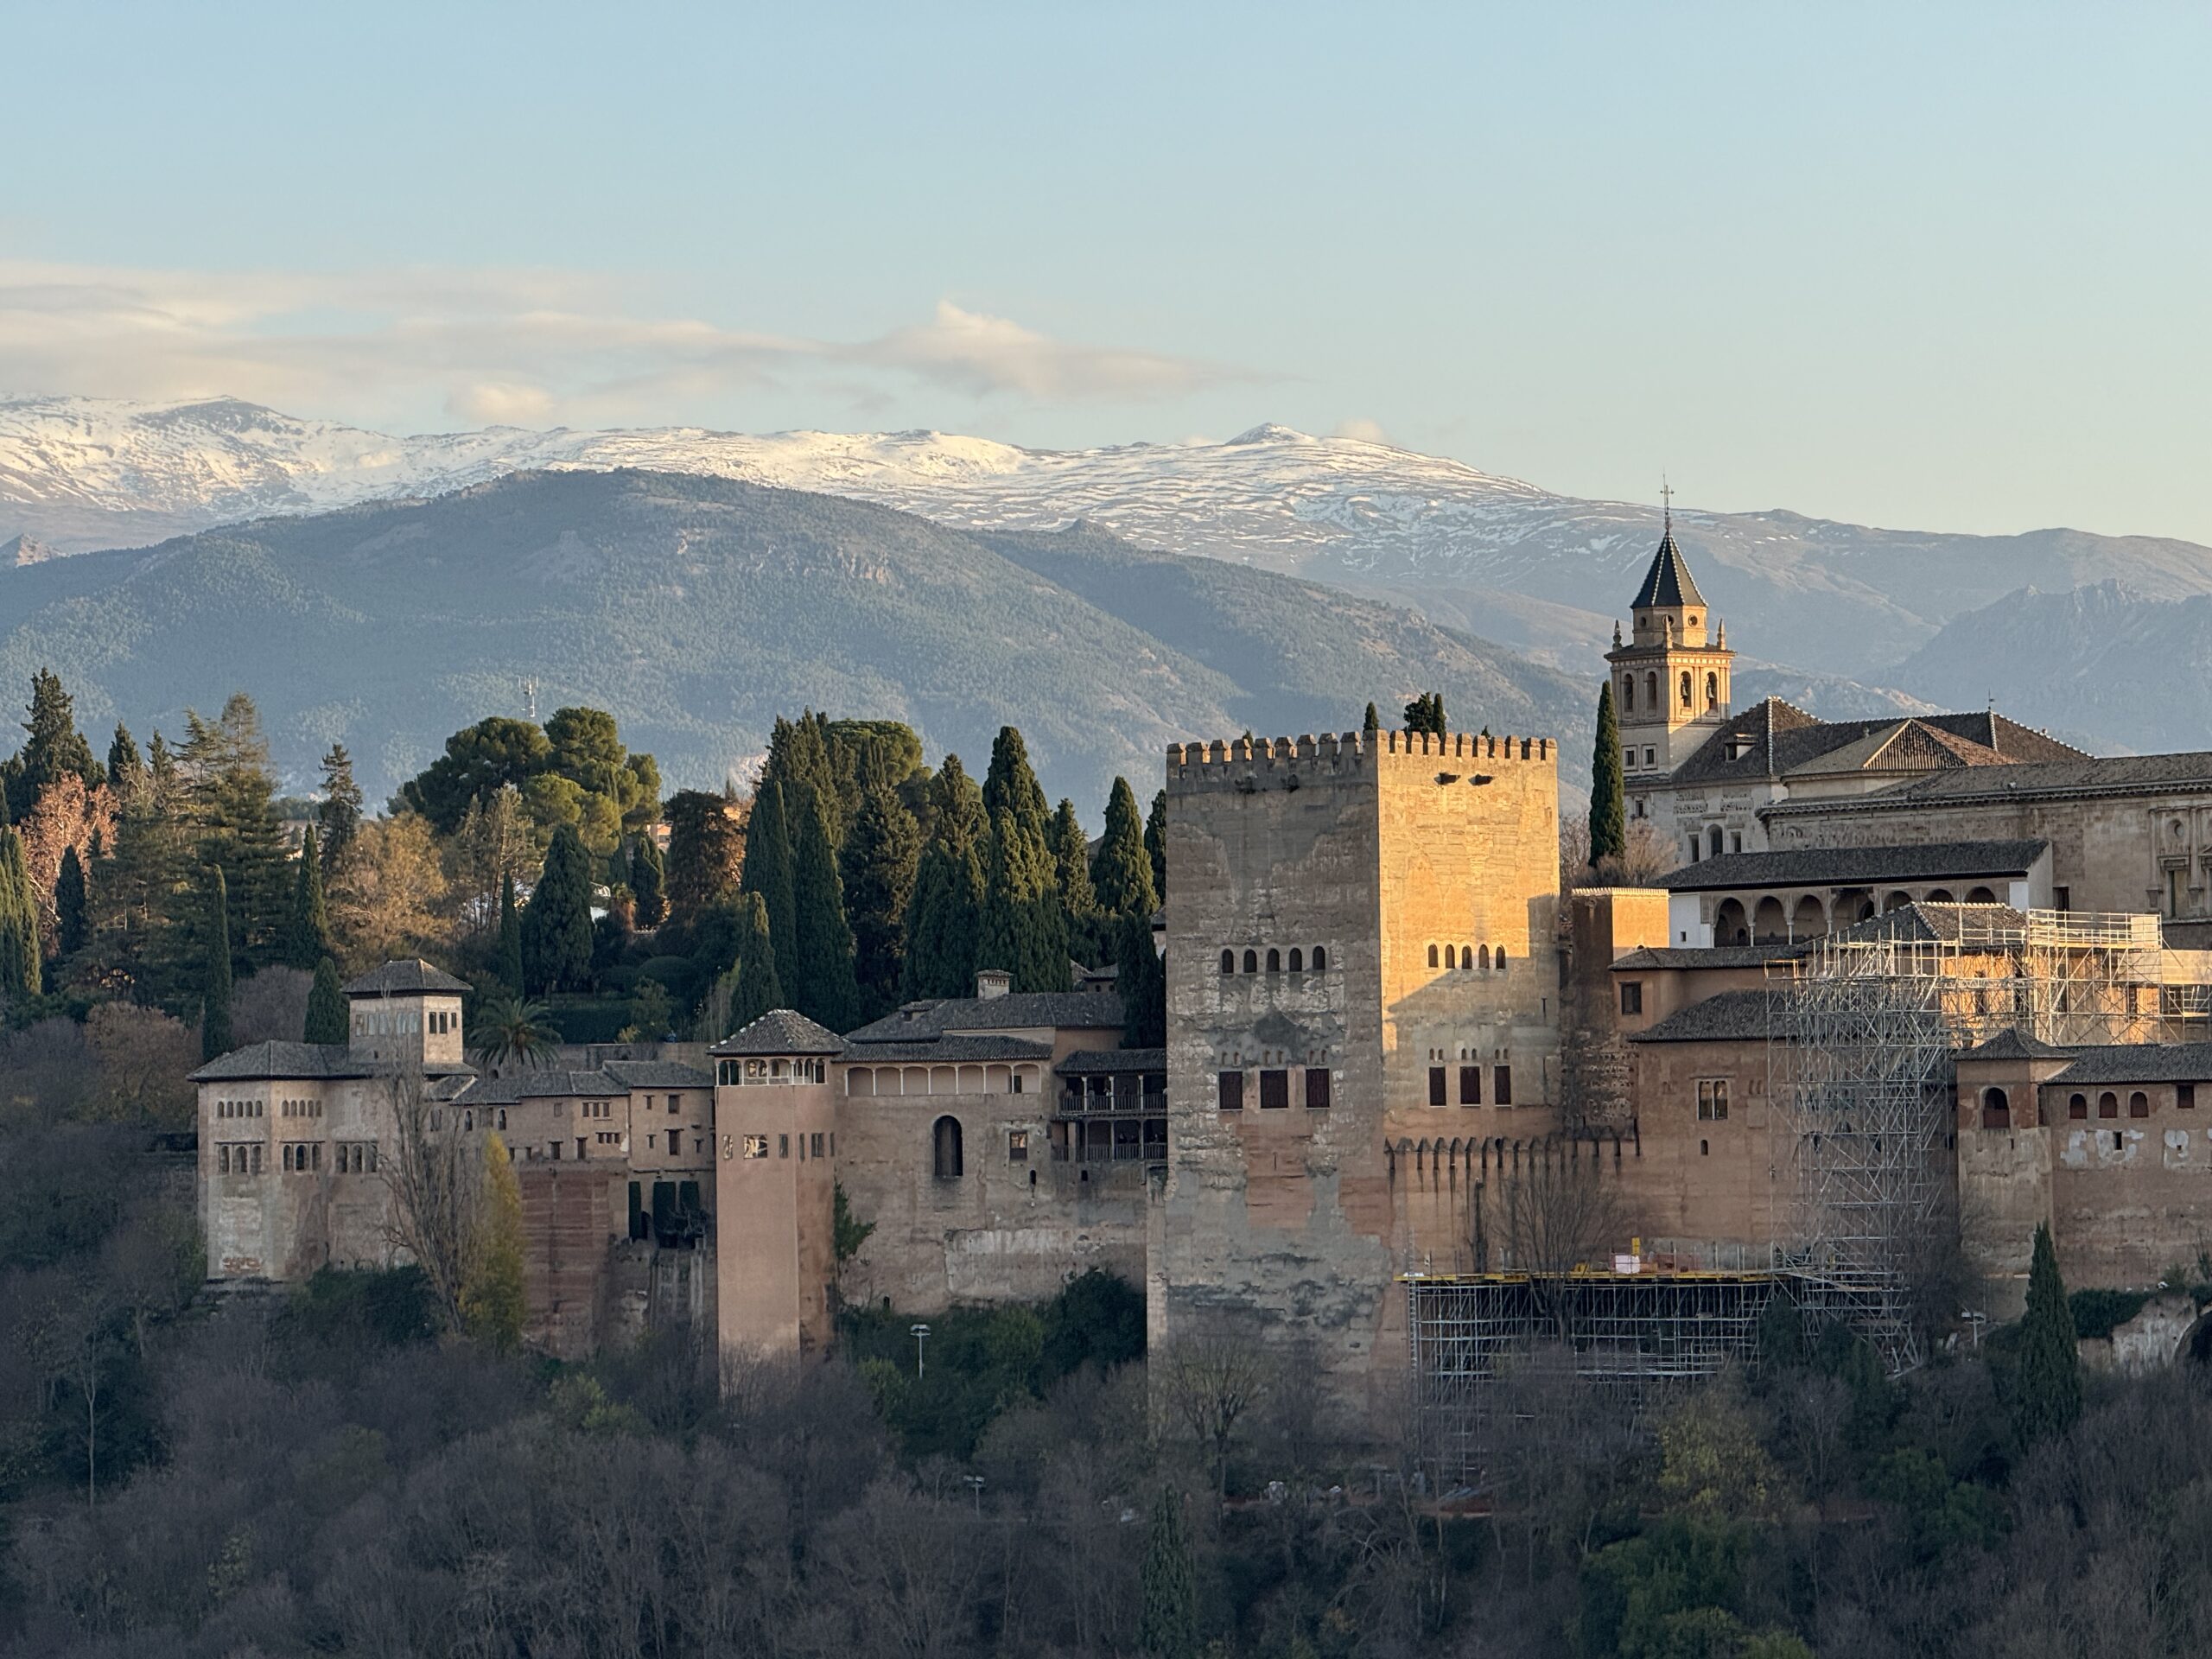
point(1651, 691)
point(1274, 961)
point(1466, 957)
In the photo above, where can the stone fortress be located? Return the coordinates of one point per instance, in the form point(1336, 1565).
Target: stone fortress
point(1938, 978)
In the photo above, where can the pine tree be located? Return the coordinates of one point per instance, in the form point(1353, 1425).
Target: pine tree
point(556, 923)
point(492, 1291)
point(1168, 1627)
point(506, 957)
point(1120, 870)
point(821, 977)
point(880, 860)
point(339, 812)
point(755, 985)
point(1608, 788)
point(2049, 1389)
point(20, 968)
point(705, 854)
point(1023, 931)
point(215, 973)
point(52, 745)
point(768, 873)
point(1140, 979)
point(1155, 843)
point(231, 799)
point(126, 767)
point(648, 882)
point(327, 1012)
point(948, 903)
point(72, 905)
point(307, 936)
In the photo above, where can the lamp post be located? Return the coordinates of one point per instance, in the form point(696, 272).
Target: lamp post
point(920, 1334)
point(976, 1485)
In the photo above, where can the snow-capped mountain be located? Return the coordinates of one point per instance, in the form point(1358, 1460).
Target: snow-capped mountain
point(1542, 572)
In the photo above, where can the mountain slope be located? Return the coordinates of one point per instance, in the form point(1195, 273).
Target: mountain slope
point(697, 609)
point(1501, 559)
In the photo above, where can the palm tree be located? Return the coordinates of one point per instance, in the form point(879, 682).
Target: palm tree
point(512, 1032)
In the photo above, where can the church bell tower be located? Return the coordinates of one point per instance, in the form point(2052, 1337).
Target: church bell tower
point(1671, 677)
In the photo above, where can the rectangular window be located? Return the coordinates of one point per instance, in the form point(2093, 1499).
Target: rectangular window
point(2062, 898)
point(222, 1161)
point(1501, 1080)
point(1713, 1100)
point(1628, 756)
point(1631, 996)
point(1274, 1091)
point(2185, 1097)
point(1229, 1091)
point(1317, 1088)
point(1652, 757)
point(1436, 1085)
point(1017, 1145)
point(816, 1139)
point(783, 1145)
point(756, 1146)
point(675, 1103)
point(1470, 1086)
point(257, 1160)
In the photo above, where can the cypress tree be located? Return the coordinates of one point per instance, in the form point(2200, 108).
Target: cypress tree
point(1070, 850)
point(1168, 1627)
point(881, 855)
point(492, 1290)
point(1372, 723)
point(1608, 788)
point(233, 800)
point(768, 872)
point(822, 980)
point(1141, 978)
point(506, 959)
point(1155, 843)
point(20, 975)
point(307, 936)
point(1426, 714)
point(556, 923)
point(706, 854)
point(52, 745)
point(1120, 870)
point(215, 973)
point(2049, 1396)
point(754, 986)
point(948, 903)
point(327, 1016)
point(1023, 930)
point(649, 882)
point(72, 905)
point(126, 767)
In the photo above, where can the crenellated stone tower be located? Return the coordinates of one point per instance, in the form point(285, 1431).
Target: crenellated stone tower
point(1670, 677)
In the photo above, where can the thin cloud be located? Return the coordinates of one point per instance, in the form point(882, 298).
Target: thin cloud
point(518, 348)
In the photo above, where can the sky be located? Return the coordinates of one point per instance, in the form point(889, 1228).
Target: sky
point(1937, 267)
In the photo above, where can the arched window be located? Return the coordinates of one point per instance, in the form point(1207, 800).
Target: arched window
point(2138, 1104)
point(2077, 1106)
point(1297, 960)
point(1685, 688)
point(1939, 896)
point(1497, 960)
point(1251, 962)
point(1229, 962)
point(2107, 1104)
point(1713, 841)
point(1466, 955)
point(1981, 896)
point(1996, 1110)
point(1713, 690)
point(1431, 955)
point(1451, 957)
point(1810, 920)
point(1485, 959)
point(1767, 924)
point(1275, 960)
point(1321, 958)
point(1651, 689)
point(1730, 924)
point(944, 1145)
point(1628, 693)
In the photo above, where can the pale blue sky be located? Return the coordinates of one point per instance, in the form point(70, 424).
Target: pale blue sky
point(1932, 266)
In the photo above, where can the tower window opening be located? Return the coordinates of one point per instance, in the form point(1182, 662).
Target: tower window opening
point(1251, 962)
point(1228, 962)
point(1297, 960)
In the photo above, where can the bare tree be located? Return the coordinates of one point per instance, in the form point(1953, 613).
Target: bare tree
point(1209, 1382)
point(271, 1006)
point(1559, 1212)
point(1646, 857)
point(1593, 1074)
point(435, 1178)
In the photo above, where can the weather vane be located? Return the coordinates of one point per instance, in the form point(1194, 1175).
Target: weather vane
point(1666, 495)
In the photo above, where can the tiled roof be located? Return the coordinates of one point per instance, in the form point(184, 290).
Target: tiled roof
point(1730, 1016)
point(1094, 1060)
point(1650, 957)
point(781, 1031)
point(539, 1083)
point(1778, 739)
point(2140, 1063)
point(2082, 775)
point(1017, 1011)
point(946, 1050)
point(1668, 582)
point(410, 974)
point(285, 1061)
point(1840, 866)
point(2014, 1044)
point(657, 1074)
point(1943, 924)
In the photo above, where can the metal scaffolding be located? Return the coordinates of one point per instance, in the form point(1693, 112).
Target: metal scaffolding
point(1860, 1035)
point(1629, 1335)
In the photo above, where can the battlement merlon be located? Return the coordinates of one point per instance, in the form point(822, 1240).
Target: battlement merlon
point(1243, 761)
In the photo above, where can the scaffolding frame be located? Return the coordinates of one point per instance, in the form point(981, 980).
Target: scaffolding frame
point(1860, 1036)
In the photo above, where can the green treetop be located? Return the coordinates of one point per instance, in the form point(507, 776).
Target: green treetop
point(326, 1014)
point(821, 977)
point(556, 923)
point(2049, 1389)
point(72, 905)
point(1120, 869)
point(648, 882)
point(880, 858)
point(20, 953)
point(507, 955)
point(768, 872)
point(307, 936)
point(1023, 930)
point(215, 975)
point(1155, 843)
point(1608, 788)
point(946, 910)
